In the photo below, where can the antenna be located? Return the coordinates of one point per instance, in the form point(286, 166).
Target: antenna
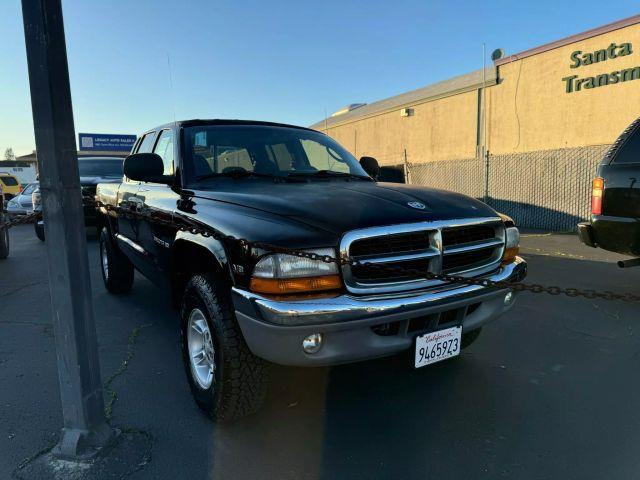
point(325, 121)
point(173, 102)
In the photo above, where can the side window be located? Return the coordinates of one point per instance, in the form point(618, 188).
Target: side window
point(164, 148)
point(630, 150)
point(147, 143)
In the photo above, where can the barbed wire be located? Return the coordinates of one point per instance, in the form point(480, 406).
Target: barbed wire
point(186, 224)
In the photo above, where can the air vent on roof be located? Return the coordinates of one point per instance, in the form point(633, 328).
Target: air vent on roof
point(347, 109)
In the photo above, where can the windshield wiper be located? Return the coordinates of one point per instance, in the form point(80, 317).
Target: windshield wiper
point(328, 174)
point(243, 174)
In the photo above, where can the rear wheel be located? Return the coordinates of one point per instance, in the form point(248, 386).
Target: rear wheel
point(228, 382)
point(117, 270)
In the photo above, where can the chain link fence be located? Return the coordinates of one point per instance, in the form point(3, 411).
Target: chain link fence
point(463, 176)
point(547, 189)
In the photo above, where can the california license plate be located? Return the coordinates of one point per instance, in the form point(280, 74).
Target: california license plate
point(436, 346)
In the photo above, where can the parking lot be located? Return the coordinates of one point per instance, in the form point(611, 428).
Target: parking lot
point(548, 391)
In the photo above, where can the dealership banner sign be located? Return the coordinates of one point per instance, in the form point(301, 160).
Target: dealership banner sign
point(106, 142)
point(575, 83)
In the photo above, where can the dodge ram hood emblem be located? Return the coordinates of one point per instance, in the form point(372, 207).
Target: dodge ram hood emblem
point(417, 205)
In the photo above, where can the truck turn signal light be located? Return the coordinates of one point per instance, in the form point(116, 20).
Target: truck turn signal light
point(295, 285)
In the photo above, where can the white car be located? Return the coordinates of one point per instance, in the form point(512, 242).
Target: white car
point(21, 204)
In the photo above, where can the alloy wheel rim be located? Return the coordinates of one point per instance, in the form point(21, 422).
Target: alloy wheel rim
point(201, 350)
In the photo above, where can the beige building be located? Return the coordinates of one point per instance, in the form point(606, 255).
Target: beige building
point(526, 134)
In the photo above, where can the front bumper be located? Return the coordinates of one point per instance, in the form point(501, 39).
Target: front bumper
point(90, 215)
point(352, 325)
point(18, 210)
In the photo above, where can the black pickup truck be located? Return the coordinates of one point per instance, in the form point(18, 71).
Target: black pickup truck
point(615, 199)
point(243, 306)
point(92, 170)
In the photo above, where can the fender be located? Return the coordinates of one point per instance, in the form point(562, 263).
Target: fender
point(213, 246)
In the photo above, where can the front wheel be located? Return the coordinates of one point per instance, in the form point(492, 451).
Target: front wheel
point(4, 240)
point(117, 270)
point(39, 228)
point(228, 382)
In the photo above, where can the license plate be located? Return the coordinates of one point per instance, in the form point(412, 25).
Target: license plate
point(436, 346)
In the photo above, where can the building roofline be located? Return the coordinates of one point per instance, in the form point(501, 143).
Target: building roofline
point(446, 88)
point(609, 27)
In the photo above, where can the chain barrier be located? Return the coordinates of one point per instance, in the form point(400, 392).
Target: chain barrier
point(186, 224)
point(29, 218)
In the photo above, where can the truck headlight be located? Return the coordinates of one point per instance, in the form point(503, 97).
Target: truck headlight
point(36, 198)
point(511, 244)
point(280, 273)
point(13, 204)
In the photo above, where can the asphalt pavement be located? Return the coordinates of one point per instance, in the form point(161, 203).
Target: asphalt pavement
point(548, 391)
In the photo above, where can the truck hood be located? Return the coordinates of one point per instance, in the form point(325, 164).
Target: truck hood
point(93, 180)
point(339, 206)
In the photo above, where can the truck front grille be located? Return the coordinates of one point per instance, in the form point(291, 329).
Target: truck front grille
point(369, 274)
point(453, 262)
point(472, 233)
point(396, 243)
point(464, 247)
point(88, 190)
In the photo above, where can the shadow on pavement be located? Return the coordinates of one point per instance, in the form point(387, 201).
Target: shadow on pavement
point(547, 391)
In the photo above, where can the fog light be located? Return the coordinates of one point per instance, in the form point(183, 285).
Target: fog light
point(313, 343)
point(509, 298)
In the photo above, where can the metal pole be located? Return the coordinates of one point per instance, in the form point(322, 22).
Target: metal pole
point(485, 150)
point(85, 429)
point(407, 172)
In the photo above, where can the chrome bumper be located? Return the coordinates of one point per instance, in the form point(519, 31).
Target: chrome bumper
point(346, 307)
point(274, 330)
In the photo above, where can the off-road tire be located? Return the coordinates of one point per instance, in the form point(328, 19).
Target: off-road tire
point(119, 278)
point(240, 379)
point(39, 229)
point(470, 337)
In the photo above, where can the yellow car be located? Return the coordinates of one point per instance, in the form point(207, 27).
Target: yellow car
point(10, 185)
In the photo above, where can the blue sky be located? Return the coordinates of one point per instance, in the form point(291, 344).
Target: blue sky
point(286, 61)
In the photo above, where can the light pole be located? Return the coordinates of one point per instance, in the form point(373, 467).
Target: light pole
point(85, 429)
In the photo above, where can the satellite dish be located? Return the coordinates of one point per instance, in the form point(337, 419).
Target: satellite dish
point(497, 54)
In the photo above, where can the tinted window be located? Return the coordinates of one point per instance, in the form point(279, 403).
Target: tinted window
point(100, 167)
point(9, 181)
point(147, 143)
point(324, 158)
point(630, 150)
point(29, 189)
point(164, 148)
point(264, 149)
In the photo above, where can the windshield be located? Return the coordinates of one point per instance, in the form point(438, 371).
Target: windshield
point(213, 150)
point(100, 167)
point(29, 189)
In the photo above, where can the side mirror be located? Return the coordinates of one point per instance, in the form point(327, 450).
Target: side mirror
point(370, 165)
point(145, 167)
